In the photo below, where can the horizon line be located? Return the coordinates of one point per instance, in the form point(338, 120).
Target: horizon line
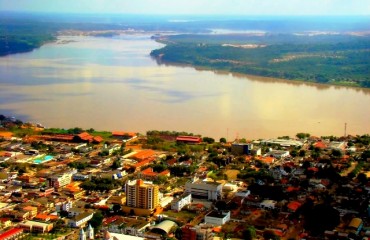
point(184, 14)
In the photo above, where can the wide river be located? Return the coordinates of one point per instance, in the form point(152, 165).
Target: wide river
point(113, 84)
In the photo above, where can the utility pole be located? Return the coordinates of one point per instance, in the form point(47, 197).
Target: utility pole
point(345, 129)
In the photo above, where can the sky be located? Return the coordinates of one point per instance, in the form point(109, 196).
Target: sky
point(186, 7)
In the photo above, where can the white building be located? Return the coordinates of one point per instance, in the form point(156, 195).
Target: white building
point(63, 206)
point(243, 194)
point(178, 203)
point(82, 235)
point(207, 190)
point(90, 233)
point(269, 204)
point(60, 180)
point(279, 154)
point(217, 218)
point(80, 220)
point(283, 142)
point(73, 212)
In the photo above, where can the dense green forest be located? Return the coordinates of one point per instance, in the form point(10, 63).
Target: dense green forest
point(333, 59)
point(19, 36)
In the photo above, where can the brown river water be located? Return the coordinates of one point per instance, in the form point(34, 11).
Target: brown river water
point(113, 84)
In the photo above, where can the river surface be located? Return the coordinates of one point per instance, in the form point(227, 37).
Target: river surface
point(113, 84)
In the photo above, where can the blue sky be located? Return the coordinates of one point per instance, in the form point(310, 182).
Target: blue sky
point(180, 7)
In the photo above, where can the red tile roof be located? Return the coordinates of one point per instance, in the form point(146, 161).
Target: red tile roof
point(320, 145)
point(294, 205)
point(142, 155)
point(149, 172)
point(172, 161)
point(192, 139)
point(143, 163)
point(10, 233)
point(85, 136)
point(165, 172)
point(98, 139)
point(291, 189)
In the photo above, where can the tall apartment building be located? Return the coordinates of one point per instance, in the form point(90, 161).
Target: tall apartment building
point(140, 194)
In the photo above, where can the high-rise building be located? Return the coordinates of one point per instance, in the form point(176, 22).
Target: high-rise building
point(140, 194)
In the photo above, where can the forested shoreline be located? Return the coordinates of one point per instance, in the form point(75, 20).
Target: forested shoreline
point(339, 60)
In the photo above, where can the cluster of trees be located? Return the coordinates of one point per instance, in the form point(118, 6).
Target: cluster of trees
point(181, 170)
point(100, 184)
point(75, 130)
point(250, 173)
point(78, 165)
point(167, 133)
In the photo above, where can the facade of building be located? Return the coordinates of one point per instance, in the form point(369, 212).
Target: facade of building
point(178, 203)
point(206, 190)
point(60, 180)
point(241, 148)
point(196, 233)
point(63, 206)
point(80, 220)
point(32, 226)
point(90, 232)
point(217, 218)
point(140, 194)
point(82, 235)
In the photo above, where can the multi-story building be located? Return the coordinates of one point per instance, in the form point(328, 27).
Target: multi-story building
point(196, 233)
point(241, 148)
point(32, 226)
point(217, 218)
point(60, 180)
point(207, 190)
point(140, 194)
point(63, 206)
point(178, 203)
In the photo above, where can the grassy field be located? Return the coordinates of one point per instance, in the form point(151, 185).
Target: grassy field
point(184, 216)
